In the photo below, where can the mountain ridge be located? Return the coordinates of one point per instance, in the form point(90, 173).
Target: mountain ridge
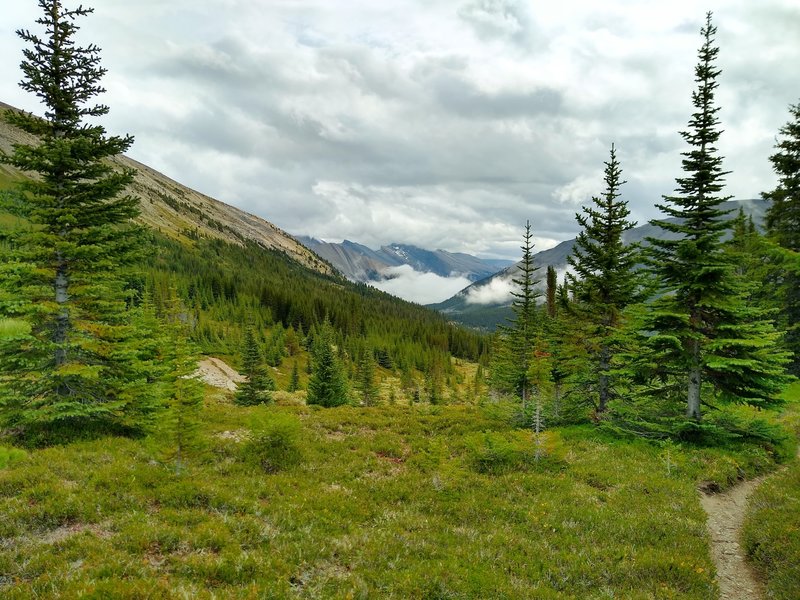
point(360, 263)
point(181, 212)
point(466, 308)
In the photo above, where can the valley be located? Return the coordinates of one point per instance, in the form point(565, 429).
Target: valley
point(195, 403)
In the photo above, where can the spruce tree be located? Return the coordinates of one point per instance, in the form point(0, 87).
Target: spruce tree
point(294, 379)
point(703, 330)
point(180, 423)
point(515, 342)
point(327, 385)
point(76, 367)
point(604, 282)
point(365, 379)
point(552, 286)
point(783, 226)
point(258, 385)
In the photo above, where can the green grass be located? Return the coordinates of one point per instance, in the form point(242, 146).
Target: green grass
point(771, 532)
point(386, 502)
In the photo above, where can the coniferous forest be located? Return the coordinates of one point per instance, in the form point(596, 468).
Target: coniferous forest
point(369, 447)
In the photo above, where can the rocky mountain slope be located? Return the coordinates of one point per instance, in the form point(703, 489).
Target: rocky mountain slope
point(360, 263)
point(487, 302)
point(183, 213)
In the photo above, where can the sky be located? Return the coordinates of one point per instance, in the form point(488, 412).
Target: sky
point(440, 123)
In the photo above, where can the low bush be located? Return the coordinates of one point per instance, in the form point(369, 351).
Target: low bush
point(275, 441)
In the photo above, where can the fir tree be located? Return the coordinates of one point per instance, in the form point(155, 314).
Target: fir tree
point(365, 379)
point(77, 367)
point(180, 424)
point(257, 387)
point(604, 281)
point(294, 379)
point(515, 343)
point(552, 286)
point(703, 330)
point(327, 385)
point(783, 226)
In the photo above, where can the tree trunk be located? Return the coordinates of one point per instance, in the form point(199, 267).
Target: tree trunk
point(62, 318)
point(695, 380)
point(602, 383)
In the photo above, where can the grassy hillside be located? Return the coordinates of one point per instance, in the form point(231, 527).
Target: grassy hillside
point(389, 502)
point(772, 530)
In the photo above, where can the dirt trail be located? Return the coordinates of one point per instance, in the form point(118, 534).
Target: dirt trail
point(217, 373)
point(737, 580)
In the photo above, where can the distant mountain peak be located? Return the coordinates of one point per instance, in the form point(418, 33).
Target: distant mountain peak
point(360, 263)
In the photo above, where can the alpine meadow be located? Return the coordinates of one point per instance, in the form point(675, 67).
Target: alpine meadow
point(195, 405)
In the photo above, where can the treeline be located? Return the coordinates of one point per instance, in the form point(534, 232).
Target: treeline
point(225, 286)
point(655, 339)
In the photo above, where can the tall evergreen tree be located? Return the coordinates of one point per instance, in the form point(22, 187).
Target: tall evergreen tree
point(257, 387)
point(327, 385)
point(604, 281)
point(294, 379)
point(704, 332)
point(783, 226)
point(180, 423)
point(516, 341)
point(73, 369)
point(365, 378)
point(552, 287)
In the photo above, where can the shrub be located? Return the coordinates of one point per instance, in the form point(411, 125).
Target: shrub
point(274, 441)
point(10, 455)
point(495, 453)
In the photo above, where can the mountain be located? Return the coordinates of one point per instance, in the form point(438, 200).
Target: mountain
point(360, 263)
point(182, 213)
point(487, 303)
point(229, 268)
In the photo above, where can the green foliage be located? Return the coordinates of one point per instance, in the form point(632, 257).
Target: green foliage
point(179, 424)
point(383, 499)
point(275, 442)
point(294, 379)
point(783, 225)
point(14, 328)
point(498, 453)
point(258, 385)
point(9, 456)
point(63, 271)
point(771, 533)
point(225, 285)
point(327, 386)
point(703, 328)
point(516, 342)
point(365, 379)
point(604, 283)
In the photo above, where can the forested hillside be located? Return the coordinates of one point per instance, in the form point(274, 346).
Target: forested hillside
point(368, 447)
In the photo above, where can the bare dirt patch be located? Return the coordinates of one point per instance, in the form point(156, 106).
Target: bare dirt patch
point(218, 374)
point(736, 578)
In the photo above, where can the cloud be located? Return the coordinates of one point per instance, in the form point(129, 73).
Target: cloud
point(498, 291)
point(442, 124)
point(423, 288)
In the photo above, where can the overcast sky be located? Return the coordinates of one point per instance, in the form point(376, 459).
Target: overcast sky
point(441, 123)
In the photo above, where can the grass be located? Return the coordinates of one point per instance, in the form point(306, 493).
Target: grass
point(388, 502)
point(771, 532)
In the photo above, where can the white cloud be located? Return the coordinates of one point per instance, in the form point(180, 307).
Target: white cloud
point(445, 124)
point(422, 288)
point(498, 291)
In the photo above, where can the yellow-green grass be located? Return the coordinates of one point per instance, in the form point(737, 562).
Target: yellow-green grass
point(385, 502)
point(772, 527)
